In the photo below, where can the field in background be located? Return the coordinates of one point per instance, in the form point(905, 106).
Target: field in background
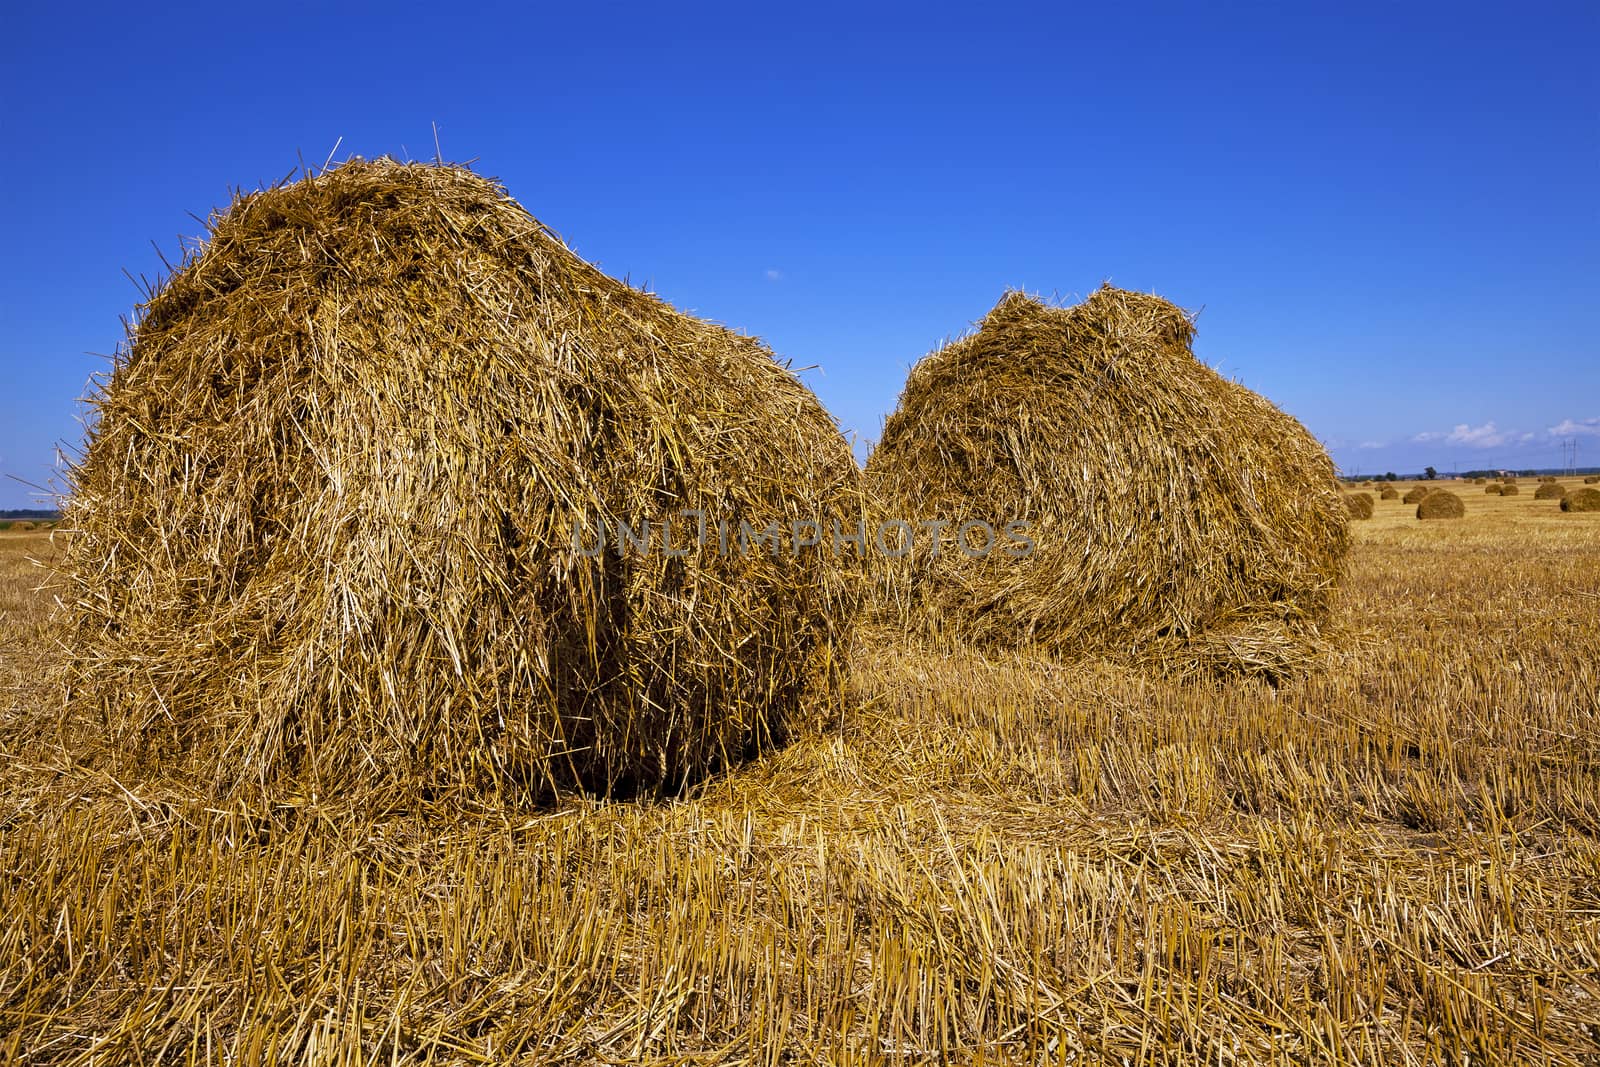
point(1395, 859)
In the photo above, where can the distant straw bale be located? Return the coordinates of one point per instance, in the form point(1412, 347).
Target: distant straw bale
point(1441, 504)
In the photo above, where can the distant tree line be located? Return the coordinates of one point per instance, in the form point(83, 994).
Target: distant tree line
point(1430, 474)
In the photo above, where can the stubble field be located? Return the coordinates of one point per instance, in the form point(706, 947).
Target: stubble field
point(1393, 859)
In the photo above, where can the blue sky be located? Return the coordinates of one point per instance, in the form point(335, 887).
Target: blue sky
point(1386, 217)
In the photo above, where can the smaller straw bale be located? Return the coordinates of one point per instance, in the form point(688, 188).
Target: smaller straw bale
point(1441, 504)
point(1581, 500)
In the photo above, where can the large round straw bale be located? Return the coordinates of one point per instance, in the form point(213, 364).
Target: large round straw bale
point(1591, 480)
point(1415, 494)
point(1441, 504)
point(1389, 493)
point(1546, 478)
point(1171, 511)
point(1358, 505)
point(1509, 489)
point(1492, 489)
point(22, 527)
point(337, 525)
point(1549, 491)
point(1479, 481)
point(1581, 500)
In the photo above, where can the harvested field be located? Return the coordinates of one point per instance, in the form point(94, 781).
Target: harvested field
point(1391, 859)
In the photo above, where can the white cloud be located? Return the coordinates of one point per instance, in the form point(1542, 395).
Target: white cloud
point(774, 275)
point(1575, 428)
point(1485, 436)
point(1489, 435)
point(1372, 444)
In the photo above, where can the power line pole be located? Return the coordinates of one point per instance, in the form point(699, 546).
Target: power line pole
point(1569, 456)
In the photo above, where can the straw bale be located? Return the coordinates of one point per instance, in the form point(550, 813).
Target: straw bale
point(323, 529)
point(1175, 515)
